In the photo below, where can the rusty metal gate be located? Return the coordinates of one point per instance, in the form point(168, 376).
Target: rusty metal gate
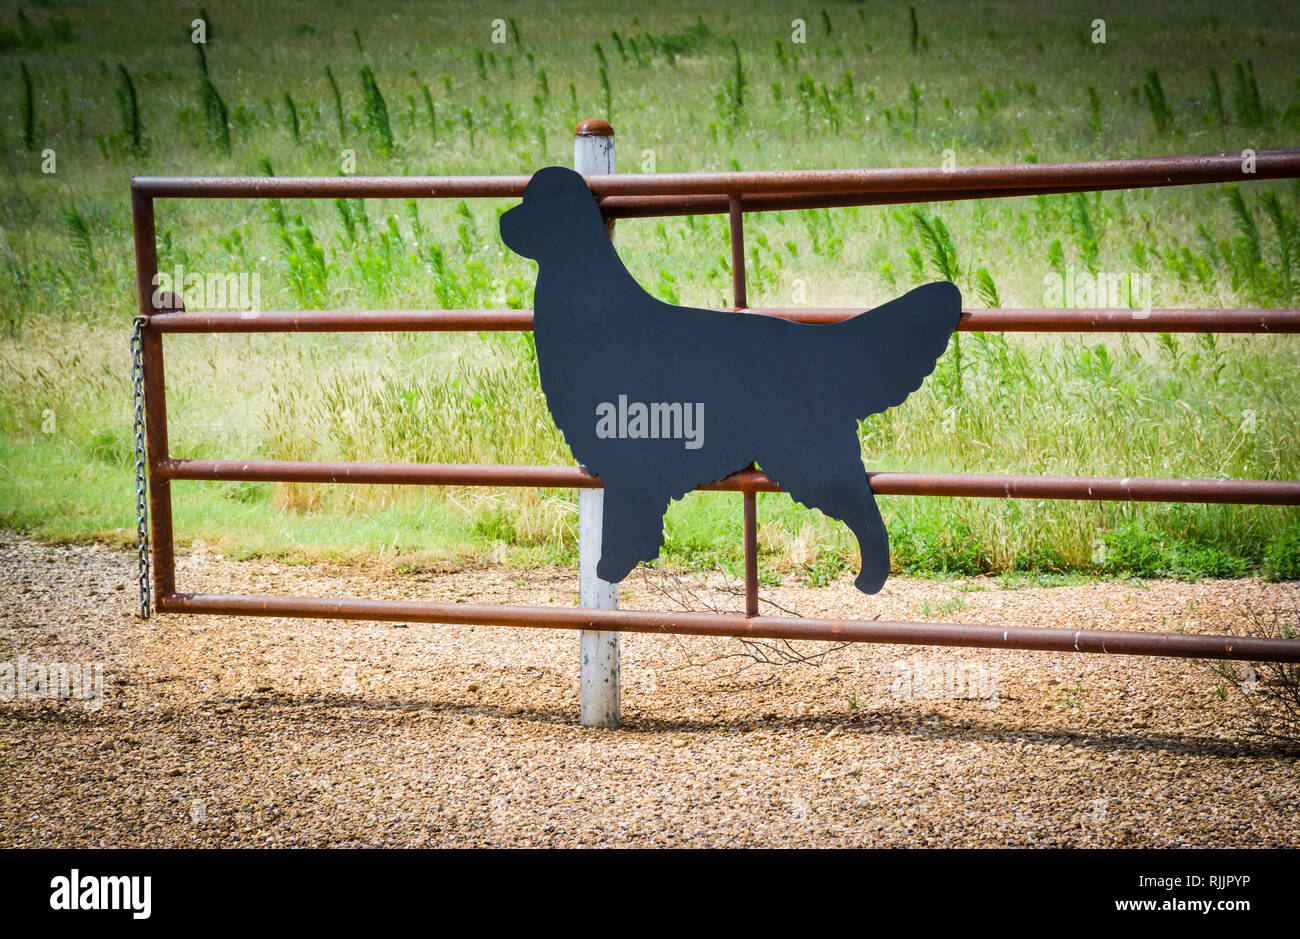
point(735, 193)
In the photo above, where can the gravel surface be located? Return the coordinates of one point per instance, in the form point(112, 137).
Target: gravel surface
point(229, 731)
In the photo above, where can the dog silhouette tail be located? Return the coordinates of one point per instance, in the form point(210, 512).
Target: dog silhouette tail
point(895, 346)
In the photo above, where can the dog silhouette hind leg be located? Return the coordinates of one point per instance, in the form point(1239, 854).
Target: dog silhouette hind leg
point(632, 530)
point(831, 478)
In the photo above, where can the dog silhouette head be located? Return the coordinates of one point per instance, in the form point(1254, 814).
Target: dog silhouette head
point(558, 210)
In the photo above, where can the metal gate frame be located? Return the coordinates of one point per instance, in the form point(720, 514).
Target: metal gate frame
point(735, 193)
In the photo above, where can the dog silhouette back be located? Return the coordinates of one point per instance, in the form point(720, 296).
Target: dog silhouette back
point(657, 399)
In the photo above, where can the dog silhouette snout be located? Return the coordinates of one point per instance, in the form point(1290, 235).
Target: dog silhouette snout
point(515, 233)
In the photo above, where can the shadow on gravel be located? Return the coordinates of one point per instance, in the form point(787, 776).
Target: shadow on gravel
point(865, 724)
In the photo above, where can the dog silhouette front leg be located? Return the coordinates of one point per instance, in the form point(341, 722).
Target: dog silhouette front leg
point(873, 540)
point(632, 531)
point(837, 485)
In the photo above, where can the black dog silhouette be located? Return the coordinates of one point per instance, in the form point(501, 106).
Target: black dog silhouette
point(656, 399)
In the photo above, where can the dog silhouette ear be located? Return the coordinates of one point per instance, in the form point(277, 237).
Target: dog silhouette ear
point(896, 345)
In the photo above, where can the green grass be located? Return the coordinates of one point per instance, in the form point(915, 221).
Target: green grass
point(287, 89)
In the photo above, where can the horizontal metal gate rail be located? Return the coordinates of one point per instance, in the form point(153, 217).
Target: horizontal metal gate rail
point(989, 486)
point(653, 195)
point(752, 627)
point(988, 321)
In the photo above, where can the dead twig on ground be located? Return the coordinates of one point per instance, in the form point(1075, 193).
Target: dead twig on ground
point(1270, 691)
point(688, 593)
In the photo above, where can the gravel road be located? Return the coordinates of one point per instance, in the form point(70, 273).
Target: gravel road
point(229, 731)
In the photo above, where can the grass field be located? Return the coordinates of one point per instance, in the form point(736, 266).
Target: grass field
point(100, 92)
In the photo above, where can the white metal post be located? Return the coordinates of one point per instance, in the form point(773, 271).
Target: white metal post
point(598, 694)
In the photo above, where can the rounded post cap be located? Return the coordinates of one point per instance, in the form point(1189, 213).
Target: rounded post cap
point(593, 127)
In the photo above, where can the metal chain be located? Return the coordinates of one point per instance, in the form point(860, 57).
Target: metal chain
point(141, 481)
